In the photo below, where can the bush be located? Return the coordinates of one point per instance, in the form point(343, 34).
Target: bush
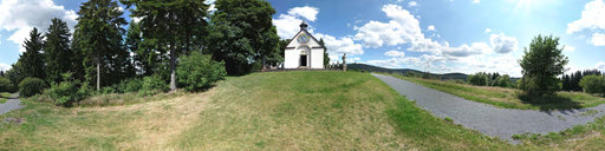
point(130, 85)
point(67, 92)
point(5, 85)
point(196, 71)
point(152, 85)
point(31, 86)
point(480, 79)
point(503, 81)
point(593, 84)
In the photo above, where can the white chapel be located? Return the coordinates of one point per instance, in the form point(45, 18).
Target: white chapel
point(304, 51)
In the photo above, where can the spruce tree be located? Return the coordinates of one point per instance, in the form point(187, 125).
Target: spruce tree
point(99, 32)
point(57, 50)
point(32, 57)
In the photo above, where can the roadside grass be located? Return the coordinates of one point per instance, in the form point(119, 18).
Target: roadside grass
point(510, 98)
point(268, 111)
point(143, 126)
point(3, 100)
point(322, 111)
point(5, 95)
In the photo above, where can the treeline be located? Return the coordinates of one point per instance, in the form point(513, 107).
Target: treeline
point(101, 54)
point(571, 82)
point(490, 79)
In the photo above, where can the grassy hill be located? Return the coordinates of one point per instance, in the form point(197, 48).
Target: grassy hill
point(263, 111)
point(370, 68)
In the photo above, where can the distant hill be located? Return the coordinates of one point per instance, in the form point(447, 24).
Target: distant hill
point(371, 68)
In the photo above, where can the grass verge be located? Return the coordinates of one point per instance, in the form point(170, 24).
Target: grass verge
point(5, 95)
point(510, 98)
point(3, 100)
point(266, 111)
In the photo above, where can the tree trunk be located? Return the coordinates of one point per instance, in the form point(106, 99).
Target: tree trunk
point(172, 67)
point(98, 74)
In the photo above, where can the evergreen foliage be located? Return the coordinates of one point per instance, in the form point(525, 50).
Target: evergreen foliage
point(57, 51)
point(32, 58)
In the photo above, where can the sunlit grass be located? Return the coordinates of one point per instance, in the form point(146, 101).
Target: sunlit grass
point(510, 98)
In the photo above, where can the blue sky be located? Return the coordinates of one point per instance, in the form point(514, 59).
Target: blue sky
point(438, 36)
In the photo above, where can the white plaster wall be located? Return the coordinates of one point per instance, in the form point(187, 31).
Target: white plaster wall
point(291, 58)
point(317, 58)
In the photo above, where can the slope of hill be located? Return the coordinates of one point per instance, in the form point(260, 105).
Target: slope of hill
point(371, 68)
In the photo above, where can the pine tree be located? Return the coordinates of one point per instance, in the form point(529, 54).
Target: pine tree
point(99, 32)
point(174, 24)
point(57, 50)
point(32, 58)
point(326, 55)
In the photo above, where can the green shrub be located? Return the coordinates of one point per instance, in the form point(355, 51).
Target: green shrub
point(130, 85)
point(31, 86)
point(196, 71)
point(480, 79)
point(5, 84)
point(503, 81)
point(593, 84)
point(67, 92)
point(152, 85)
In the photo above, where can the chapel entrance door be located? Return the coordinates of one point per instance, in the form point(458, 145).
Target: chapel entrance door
point(303, 60)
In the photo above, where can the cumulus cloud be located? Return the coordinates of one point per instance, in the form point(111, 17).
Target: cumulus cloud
point(598, 39)
point(600, 66)
point(402, 28)
point(5, 67)
point(309, 13)
point(487, 30)
point(431, 28)
point(592, 18)
point(288, 24)
point(569, 48)
point(20, 17)
point(502, 43)
point(394, 53)
point(412, 3)
point(341, 45)
point(466, 50)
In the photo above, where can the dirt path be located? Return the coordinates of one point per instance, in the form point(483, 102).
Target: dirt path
point(488, 119)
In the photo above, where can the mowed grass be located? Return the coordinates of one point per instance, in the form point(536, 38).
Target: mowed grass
point(267, 111)
point(321, 111)
point(509, 98)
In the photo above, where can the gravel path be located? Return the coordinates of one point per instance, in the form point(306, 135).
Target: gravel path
point(488, 119)
point(11, 104)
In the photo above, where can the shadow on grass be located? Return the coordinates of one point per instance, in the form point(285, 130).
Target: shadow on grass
point(549, 103)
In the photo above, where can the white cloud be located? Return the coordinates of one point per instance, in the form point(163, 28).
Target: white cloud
point(569, 48)
point(466, 50)
point(309, 13)
point(4, 67)
point(488, 30)
point(394, 53)
point(20, 17)
point(402, 28)
point(598, 39)
point(431, 28)
point(412, 3)
point(600, 66)
point(593, 17)
point(287, 25)
point(341, 45)
point(502, 43)
point(476, 1)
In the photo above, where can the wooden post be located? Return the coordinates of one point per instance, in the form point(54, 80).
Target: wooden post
point(344, 62)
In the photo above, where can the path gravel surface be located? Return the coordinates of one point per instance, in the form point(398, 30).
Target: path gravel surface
point(488, 119)
point(11, 104)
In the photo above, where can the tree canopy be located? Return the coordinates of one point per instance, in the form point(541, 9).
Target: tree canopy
point(541, 64)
